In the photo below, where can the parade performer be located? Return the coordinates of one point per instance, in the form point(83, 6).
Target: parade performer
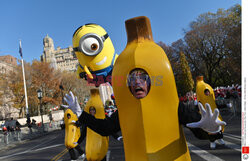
point(73, 137)
point(96, 145)
point(205, 94)
point(150, 114)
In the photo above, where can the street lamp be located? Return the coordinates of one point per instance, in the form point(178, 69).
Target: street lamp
point(40, 96)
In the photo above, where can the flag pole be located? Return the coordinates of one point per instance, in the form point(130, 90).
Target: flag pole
point(24, 80)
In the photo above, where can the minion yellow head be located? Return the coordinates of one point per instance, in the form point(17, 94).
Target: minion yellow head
point(94, 50)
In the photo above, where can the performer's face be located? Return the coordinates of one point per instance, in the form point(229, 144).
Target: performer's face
point(68, 116)
point(92, 111)
point(138, 83)
point(207, 92)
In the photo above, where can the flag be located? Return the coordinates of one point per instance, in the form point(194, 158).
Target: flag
point(20, 49)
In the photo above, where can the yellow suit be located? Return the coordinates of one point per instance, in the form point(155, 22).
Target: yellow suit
point(201, 86)
point(150, 126)
point(72, 132)
point(96, 145)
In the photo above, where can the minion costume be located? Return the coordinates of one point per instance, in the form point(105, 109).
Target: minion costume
point(95, 53)
point(148, 134)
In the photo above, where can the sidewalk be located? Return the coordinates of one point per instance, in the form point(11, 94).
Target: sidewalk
point(15, 137)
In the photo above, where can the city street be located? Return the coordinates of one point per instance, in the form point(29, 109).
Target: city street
point(51, 147)
point(66, 64)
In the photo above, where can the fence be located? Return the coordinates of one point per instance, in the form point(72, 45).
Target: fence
point(27, 133)
point(230, 105)
point(233, 106)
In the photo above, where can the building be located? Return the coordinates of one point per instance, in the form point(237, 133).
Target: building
point(105, 93)
point(62, 59)
point(7, 63)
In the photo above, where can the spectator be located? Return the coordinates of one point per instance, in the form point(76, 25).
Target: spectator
point(28, 121)
point(12, 125)
point(235, 93)
point(33, 122)
point(50, 117)
point(18, 125)
point(62, 125)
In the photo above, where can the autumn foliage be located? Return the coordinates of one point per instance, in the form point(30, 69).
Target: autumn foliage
point(40, 75)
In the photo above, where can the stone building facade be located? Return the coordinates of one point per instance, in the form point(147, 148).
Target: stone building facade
point(62, 59)
point(7, 63)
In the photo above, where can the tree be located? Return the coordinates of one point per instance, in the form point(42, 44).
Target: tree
point(172, 57)
point(212, 41)
point(46, 78)
point(79, 87)
point(185, 81)
point(15, 84)
point(39, 75)
point(181, 70)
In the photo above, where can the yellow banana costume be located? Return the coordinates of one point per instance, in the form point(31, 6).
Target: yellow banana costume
point(72, 132)
point(150, 126)
point(201, 86)
point(96, 145)
point(94, 50)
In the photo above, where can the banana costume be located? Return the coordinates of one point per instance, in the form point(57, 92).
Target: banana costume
point(152, 131)
point(201, 86)
point(72, 132)
point(96, 145)
point(95, 52)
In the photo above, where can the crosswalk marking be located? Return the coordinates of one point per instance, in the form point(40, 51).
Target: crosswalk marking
point(225, 136)
point(202, 153)
point(232, 146)
point(108, 155)
point(234, 137)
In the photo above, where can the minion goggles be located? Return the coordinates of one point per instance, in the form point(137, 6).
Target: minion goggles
point(91, 44)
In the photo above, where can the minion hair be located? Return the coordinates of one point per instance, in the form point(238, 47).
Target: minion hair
point(77, 30)
point(89, 24)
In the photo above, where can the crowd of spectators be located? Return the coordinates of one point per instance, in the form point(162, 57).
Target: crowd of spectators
point(10, 125)
point(229, 92)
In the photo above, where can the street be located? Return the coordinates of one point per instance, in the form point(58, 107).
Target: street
point(51, 146)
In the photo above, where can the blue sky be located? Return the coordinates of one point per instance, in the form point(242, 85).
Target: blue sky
point(31, 20)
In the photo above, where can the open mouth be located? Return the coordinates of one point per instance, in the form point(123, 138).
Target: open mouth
point(102, 61)
point(139, 90)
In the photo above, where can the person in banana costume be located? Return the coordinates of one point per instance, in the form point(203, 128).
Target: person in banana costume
point(205, 94)
point(96, 145)
point(73, 136)
point(143, 84)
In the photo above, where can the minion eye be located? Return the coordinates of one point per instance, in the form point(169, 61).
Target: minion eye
point(94, 46)
point(90, 45)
